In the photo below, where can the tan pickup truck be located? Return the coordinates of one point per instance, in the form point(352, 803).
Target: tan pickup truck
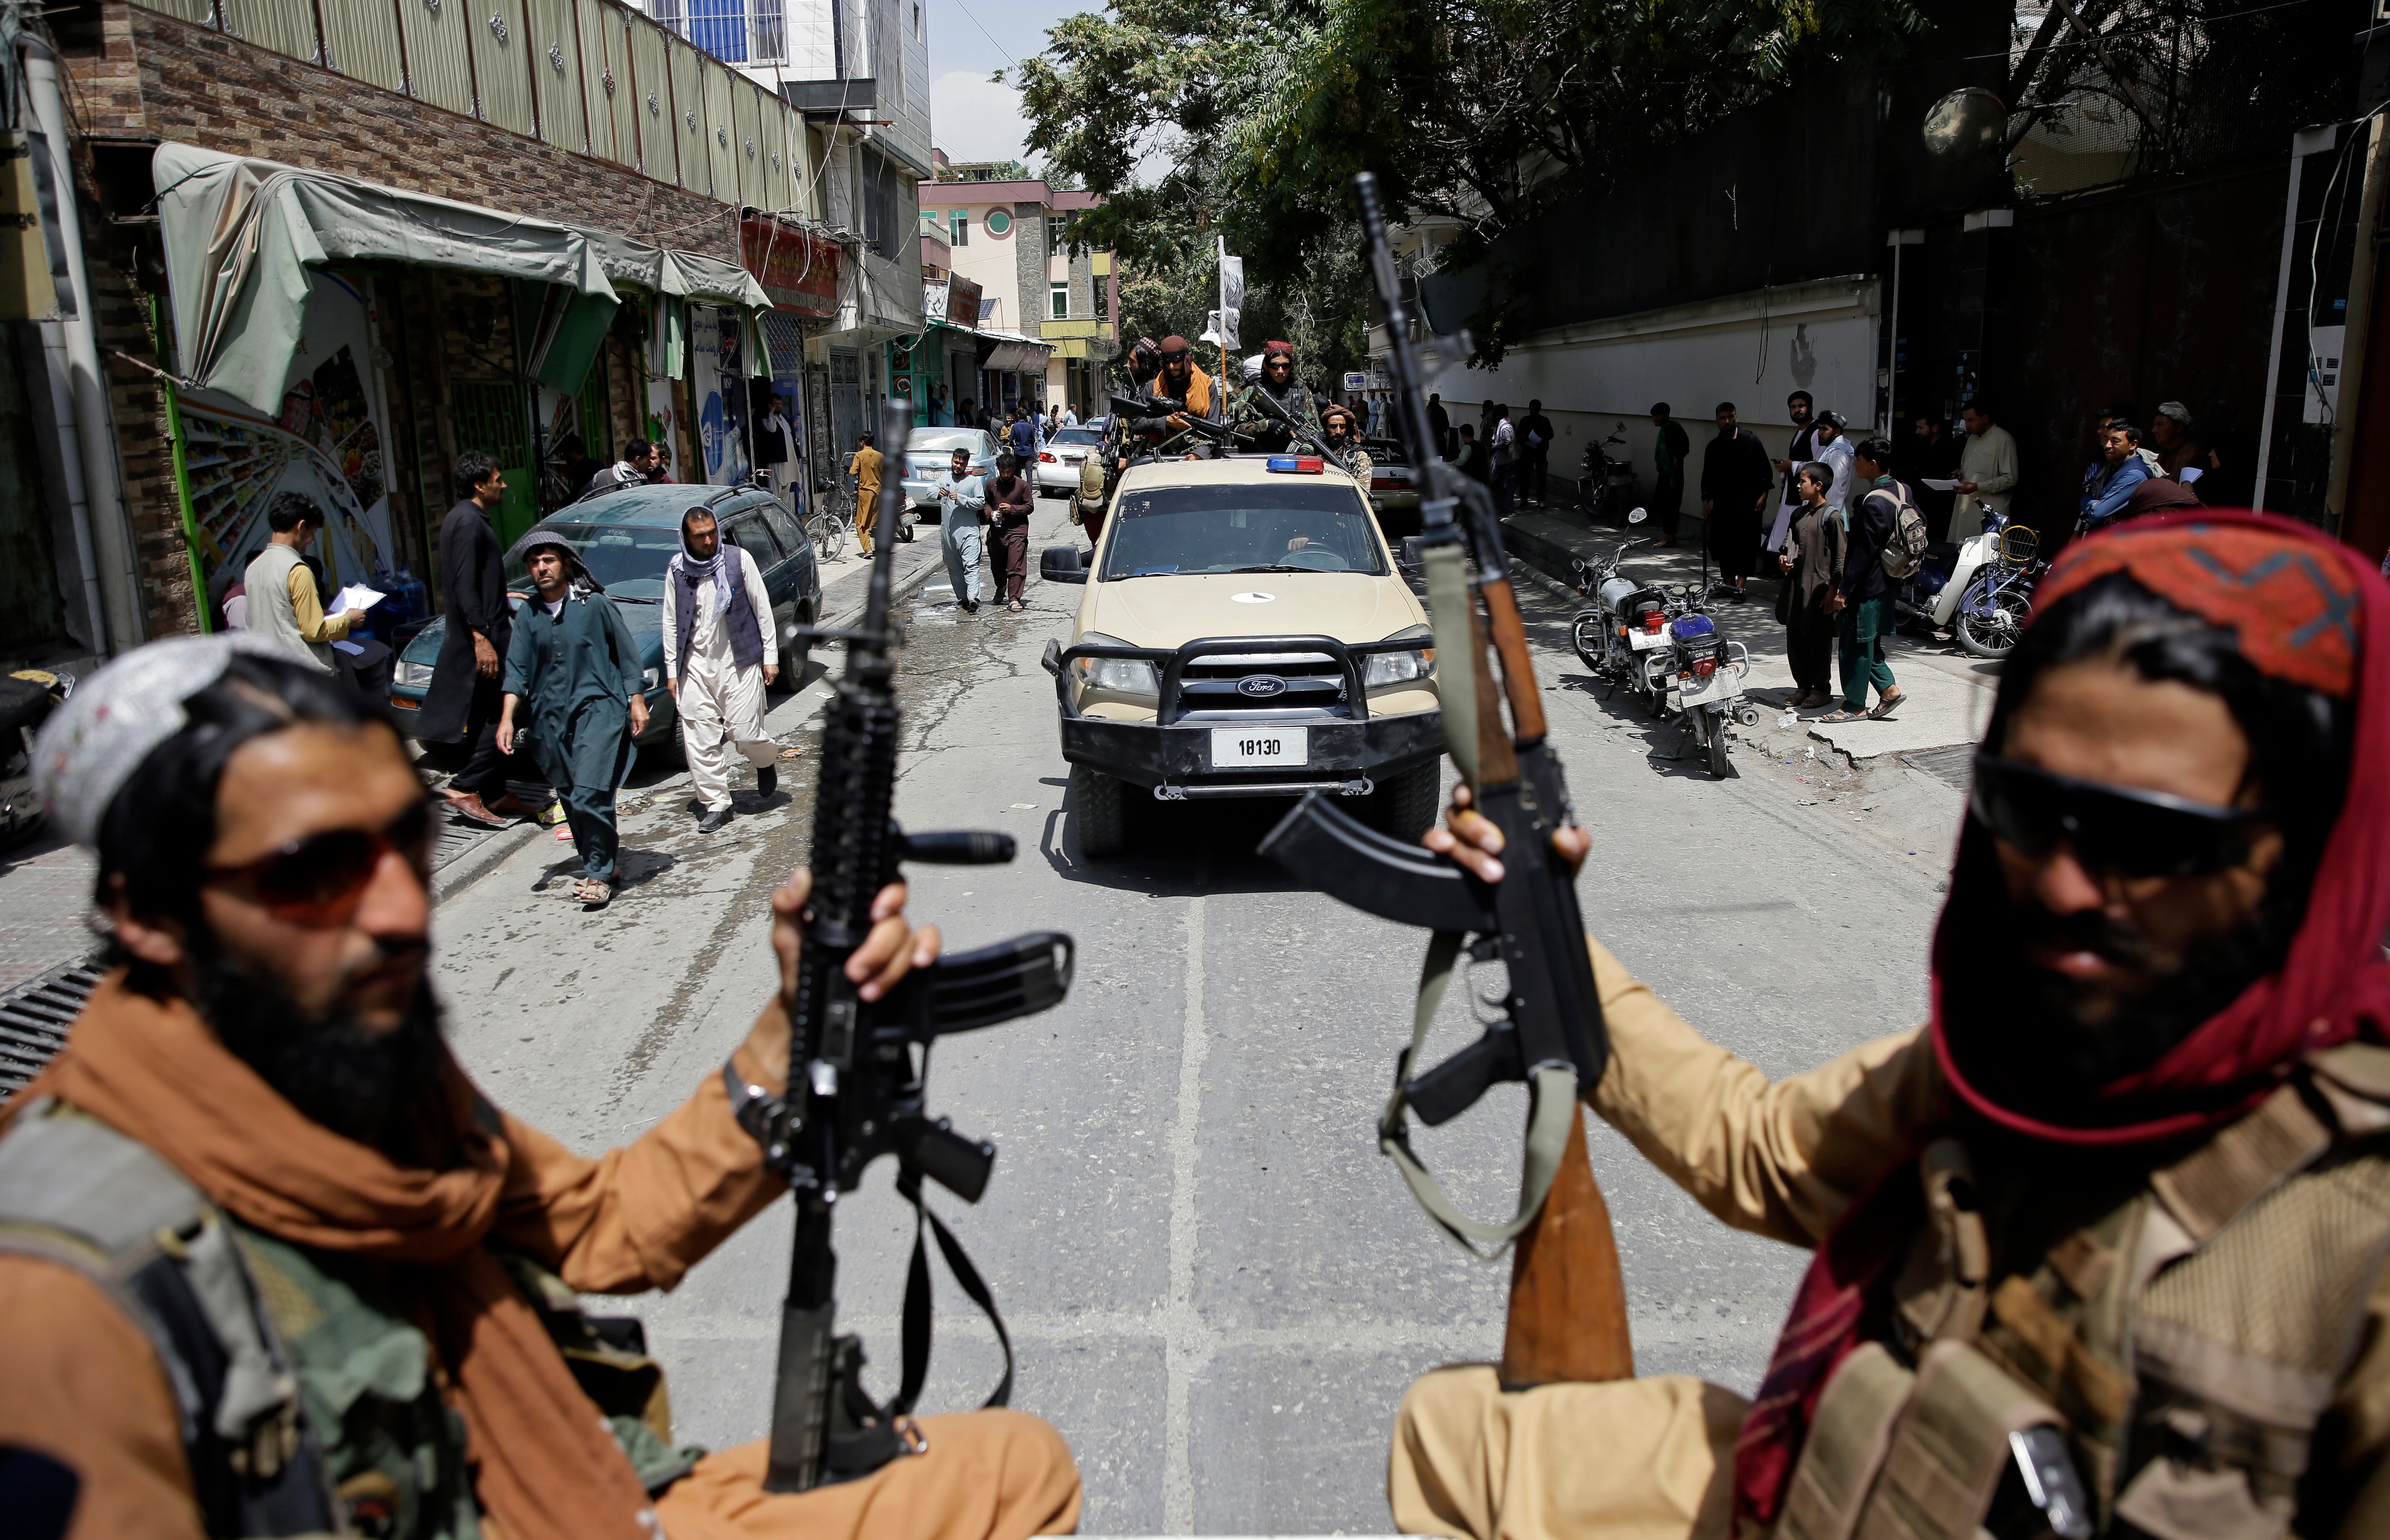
point(1244, 634)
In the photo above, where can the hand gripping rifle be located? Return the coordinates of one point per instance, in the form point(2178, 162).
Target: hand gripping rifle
point(1312, 441)
point(1171, 406)
point(1568, 1304)
point(855, 1085)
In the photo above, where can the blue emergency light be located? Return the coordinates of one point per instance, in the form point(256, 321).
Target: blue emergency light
point(1297, 465)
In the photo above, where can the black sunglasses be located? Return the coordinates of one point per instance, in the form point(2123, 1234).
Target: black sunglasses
point(2110, 828)
point(319, 880)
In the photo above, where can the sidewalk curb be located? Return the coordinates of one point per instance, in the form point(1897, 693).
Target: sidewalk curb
point(483, 859)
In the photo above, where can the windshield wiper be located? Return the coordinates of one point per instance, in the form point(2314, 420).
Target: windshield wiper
point(1278, 568)
point(631, 598)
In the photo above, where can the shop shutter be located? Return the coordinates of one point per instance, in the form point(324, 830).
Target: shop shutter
point(285, 26)
point(555, 61)
point(361, 36)
point(439, 61)
point(501, 62)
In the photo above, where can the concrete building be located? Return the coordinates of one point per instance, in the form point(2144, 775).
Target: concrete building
point(1049, 308)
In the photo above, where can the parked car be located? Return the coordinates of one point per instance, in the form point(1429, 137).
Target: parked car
point(1244, 634)
point(1393, 487)
point(1058, 463)
point(626, 538)
point(930, 453)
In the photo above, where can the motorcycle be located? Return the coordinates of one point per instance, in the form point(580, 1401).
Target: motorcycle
point(1603, 483)
point(1621, 634)
point(27, 698)
point(1706, 689)
point(1994, 597)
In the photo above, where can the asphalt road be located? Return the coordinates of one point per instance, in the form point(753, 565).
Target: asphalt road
point(1217, 1287)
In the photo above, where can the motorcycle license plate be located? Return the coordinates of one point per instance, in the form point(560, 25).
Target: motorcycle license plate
point(1251, 748)
point(1721, 686)
point(1644, 641)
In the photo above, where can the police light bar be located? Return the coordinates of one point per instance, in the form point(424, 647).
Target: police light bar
point(1298, 465)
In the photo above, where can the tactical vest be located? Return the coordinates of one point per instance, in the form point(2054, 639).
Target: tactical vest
point(308, 1404)
point(2184, 1330)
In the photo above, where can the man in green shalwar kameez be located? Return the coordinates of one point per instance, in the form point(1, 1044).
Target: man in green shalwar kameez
point(573, 658)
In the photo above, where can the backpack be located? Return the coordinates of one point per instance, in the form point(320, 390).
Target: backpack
point(1904, 552)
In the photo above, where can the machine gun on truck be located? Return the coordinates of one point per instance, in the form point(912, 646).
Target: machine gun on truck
point(855, 1088)
point(1568, 1303)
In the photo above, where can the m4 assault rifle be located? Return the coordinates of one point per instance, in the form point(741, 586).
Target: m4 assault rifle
point(1568, 1304)
point(855, 1083)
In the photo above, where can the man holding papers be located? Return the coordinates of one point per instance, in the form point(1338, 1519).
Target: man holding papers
point(283, 600)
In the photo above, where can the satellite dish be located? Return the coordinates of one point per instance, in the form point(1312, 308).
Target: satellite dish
point(1966, 124)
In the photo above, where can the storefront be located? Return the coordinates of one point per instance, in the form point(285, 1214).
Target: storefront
point(347, 343)
point(797, 271)
point(1012, 370)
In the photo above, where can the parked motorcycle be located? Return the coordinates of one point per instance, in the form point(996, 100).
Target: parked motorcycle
point(1604, 485)
point(1707, 685)
point(1622, 634)
point(1988, 595)
point(27, 698)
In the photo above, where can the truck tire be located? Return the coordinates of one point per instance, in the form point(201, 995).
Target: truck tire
point(1100, 812)
point(1404, 805)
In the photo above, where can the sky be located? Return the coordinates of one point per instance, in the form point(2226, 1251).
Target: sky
point(971, 118)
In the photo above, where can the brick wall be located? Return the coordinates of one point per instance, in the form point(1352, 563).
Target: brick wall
point(157, 77)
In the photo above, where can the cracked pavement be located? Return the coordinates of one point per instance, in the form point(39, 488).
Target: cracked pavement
point(1216, 1286)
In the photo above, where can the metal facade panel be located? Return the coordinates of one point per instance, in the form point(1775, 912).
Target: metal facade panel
point(605, 55)
point(717, 119)
point(748, 145)
point(285, 26)
point(686, 105)
point(438, 68)
point(502, 62)
point(361, 36)
point(659, 123)
point(556, 64)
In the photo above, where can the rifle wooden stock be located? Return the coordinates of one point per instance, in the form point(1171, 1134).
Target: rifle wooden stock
point(1510, 633)
point(1568, 1301)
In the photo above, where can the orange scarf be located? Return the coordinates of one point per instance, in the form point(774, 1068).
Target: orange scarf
point(1199, 390)
point(545, 1466)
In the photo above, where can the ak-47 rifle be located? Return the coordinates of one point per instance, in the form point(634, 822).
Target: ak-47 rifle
point(855, 1085)
point(1318, 446)
point(1568, 1303)
point(1171, 406)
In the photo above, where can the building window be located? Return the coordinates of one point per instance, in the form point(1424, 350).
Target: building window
point(1059, 303)
point(961, 224)
point(999, 224)
point(916, 21)
point(1058, 230)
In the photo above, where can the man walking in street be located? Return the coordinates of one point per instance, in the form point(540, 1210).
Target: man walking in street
point(1439, 422)
point(1025, 435)
point(573, 658)
point(865, 465)
point(720, 655)
point(2114, 476)
point(1863, 595)
point(1011, 498)
point(1736, 479)
point(284, 605)
point(1798, 407)
point(1535, 452)
point(258, 1174)
point(2146, 1099)
point(1987, 471)
point(463, 702)
point(1670, 450)
point(962, 509)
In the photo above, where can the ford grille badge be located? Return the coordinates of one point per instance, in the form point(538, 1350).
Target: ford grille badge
point(1261, 686)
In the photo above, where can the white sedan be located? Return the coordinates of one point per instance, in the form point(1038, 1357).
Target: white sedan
point(930, 453)
point(1058, 463)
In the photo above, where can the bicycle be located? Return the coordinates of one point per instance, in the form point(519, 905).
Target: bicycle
point(830, 522)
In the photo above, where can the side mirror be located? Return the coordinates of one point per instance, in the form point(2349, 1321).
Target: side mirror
point(1637, 516)
point(1409, 558)
point(1062, 564)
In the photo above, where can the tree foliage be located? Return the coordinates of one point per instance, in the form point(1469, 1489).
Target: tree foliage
point(1475, 110)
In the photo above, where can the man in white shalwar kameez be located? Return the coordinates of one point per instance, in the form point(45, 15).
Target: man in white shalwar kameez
point(720, 651)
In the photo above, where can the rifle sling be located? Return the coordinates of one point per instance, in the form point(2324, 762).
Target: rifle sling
point(917, 1302)
point(1551, 1106)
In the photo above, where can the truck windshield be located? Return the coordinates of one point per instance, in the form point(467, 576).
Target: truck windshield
point(1255, 527)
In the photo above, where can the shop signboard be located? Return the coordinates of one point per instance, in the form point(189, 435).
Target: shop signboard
point(797, 268)
point(328, 444)
point(719, 389)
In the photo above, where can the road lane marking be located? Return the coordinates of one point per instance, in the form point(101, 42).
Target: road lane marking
point(1186, 1349)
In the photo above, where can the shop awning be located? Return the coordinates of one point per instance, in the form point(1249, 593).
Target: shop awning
point(1013, 351)
point(240, 232)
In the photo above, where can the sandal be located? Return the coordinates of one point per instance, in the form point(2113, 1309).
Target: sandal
point(1845, 715)
point(593, 894)
point(1883, 712)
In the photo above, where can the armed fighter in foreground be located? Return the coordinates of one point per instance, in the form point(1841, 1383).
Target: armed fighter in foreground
point(2100, 1247)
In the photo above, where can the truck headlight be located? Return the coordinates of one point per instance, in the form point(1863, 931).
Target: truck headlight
point(1116, 675)
point(411, 674)
point(1381, 668)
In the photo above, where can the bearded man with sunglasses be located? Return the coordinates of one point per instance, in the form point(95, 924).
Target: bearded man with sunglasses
point(271, 1265)
point(2098, 1249)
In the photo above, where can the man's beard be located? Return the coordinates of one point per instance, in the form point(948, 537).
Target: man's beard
point(2019, 1032)
point(375, 1089)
